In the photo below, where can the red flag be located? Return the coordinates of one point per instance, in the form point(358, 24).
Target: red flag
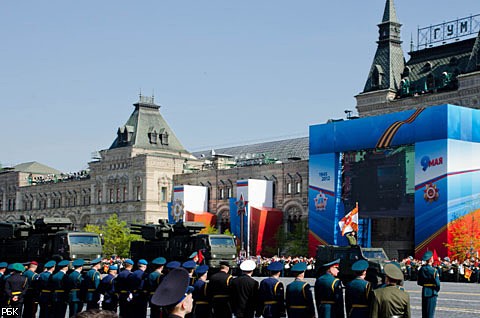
point(200, 257)
point(436, 262)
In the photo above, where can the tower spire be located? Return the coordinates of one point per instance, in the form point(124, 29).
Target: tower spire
point(389, 14)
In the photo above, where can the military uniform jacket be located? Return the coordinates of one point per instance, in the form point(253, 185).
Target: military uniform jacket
point(299, 300)
point(136, 283)
point(90, 285)
point(16, 285)
point(153, 280)
point(43, 285)
point(58, 286)
point(358, 294)
point(329, 296)
point(74, 282)
point(121, 284)
point(272, 298)
point(218, 292)
point(244, 292)
point(107, 288)
point(428, 278)
point(32, 282)
point(201, 304)
point(390, 301)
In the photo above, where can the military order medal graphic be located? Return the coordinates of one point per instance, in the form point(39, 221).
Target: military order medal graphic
point(177, 210)
point(430, 194)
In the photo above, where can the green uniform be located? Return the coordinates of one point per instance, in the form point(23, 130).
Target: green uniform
point(30, 303)
point(329, 296)
point(74, 282)
point(299, 300)
point(58, 283)
point(358, 294)
point(390, 301)
point(429, 279)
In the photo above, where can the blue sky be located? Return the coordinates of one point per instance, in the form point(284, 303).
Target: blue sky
point(225, 72)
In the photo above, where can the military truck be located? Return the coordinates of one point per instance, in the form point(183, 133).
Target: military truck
point(44, 239)
point(178, 241)
point(375, 256)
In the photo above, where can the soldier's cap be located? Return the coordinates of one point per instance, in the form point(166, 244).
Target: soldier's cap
point(50, 264)
point(189, 265)
point(3, 265)
point(248, 265)
point(299, 267)
point(78, 262)
point(202, 269)
point(360, 265)
point(392, 271)
point(225, 263)
point(113, 268)
point(427, 255)
point(18, 267)
point(173, 289)
point(173, 265)
point(275, 267)
point(334, 263)
point(128, 261)
point(96, 261)
point(10, 267)
point(142, 262)
point(33, 263)
point(63, 263)
point(159, 261)
point(193, 255)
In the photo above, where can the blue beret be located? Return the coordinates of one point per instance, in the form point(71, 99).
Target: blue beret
point(10, 266)
point(335, 262)
point(3, 264)
point(78, 262)
point(128, 261)
point(360, 265)
point(173, 264)
point(193, 255)
point(50, 264)
point(427, 255)
point(112, 267)
point(63, 263)
point(202, 269)
point(189, 265)
point(299, 267)
point(159, 261)
point(18, 267)
point(142, 262)
point(173, 288)
point(275, 267)
point(96, 261)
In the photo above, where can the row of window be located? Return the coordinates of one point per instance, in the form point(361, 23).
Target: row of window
point(291, 188)
point(10, 205)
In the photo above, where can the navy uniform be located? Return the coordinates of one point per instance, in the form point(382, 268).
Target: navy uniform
point(328, 292)
point(74, 282)
point(106, 289)
point(45, 293)
point(190, 267)
point(391, 301)
point(15, 288)
point(30, 302)
point(201, 304)
point(153, 280)
point(218, 292)
point(90, 285)
point(244, 291)
point(58, 286)
point(174, 294)
point(429, 279)
point(122, 289)
point(358, 292)
point(272, 294)
point(299, 299)
point(3, 265)
point(136, 282)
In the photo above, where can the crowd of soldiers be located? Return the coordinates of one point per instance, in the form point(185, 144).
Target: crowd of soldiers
point(174, 289)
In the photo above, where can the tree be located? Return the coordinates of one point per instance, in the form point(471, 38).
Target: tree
point(293, 243)
point(209, 230)
point(464, 235)
point(116, 235)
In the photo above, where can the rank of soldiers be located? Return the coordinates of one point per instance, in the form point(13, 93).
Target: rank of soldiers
point(172, 289)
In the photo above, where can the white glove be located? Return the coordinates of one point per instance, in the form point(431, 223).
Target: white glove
point(130, 297)
point(101, 299)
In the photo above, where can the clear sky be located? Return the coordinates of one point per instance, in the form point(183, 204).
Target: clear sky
point(225, 72)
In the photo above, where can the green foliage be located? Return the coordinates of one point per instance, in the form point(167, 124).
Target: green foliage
point(227, 232)
point(209, 230)
point(116, 235)
point(292, 244)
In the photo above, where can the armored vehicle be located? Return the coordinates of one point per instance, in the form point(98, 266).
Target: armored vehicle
point(44, 239)
point(178, 241)
point(375, 256)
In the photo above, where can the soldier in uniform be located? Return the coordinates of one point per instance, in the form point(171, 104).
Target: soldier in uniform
point(122, 289)
point(136, 283)
point(3, 268)
point(190, 267)
point(154, 279)
point(15, 288)
point(329, 293)
point(429, 279)
point(272, 293)
point(358, 292)
point(45, 293)
point(91, 283)
point(106, 289)
point(218, 291)
point(298, 298)
point(58, 286)
point(30, 302)
point(244, 291)
point(174, 294)
point(391, 301)
point(74, 282)
point(201, 305)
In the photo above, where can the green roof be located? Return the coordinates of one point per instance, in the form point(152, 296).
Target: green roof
point(35, 167)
